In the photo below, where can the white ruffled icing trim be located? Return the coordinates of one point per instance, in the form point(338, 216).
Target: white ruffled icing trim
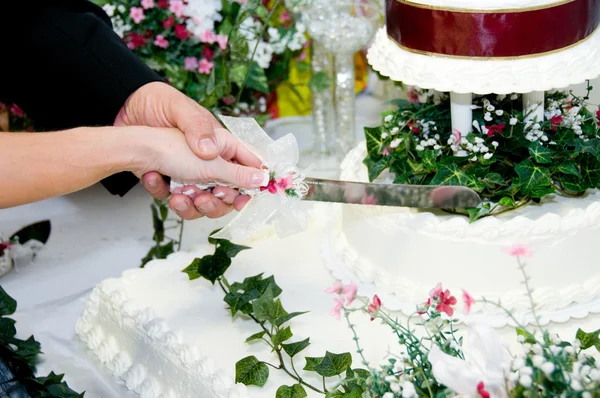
point(556, 70)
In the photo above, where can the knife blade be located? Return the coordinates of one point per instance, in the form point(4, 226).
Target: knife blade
point(399, 195)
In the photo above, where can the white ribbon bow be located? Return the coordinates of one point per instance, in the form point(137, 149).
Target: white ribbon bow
point(275, 204)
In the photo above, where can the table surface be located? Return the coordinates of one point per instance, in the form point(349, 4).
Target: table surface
point(94, 236)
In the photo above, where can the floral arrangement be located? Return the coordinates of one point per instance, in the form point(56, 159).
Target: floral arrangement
point(12, 118)
point(227, 54)
point(507, 158)
point(434, 361)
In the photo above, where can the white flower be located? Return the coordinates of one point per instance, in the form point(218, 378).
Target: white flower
point(495, 145)
point(476, 125)
point(388, 118)
point(526, 370)
point(419, 148)
point(488, 156)
point(436, 147)
point(488, 117)
point(547, 368)
point(121, 8)
point(395, 130)
point(395, 143)
point(408, 390)
point(109, 9)
point(202, 15)
point(384, 136)
point(499, 112)
point(586, 394)
point(513, 121)
point(595, 375)
point(569, 350)
point(518, 363)
point(525, 381)
point(485, 361)
point(390, 379)
point(576, 385)
point(395, 387)
point(491, 108)
point(388, 395)
point(473, 159)
point(514, 97)
point(538, 360)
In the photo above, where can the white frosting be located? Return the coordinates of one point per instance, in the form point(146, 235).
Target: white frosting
point(405, 252)
point(556, 70)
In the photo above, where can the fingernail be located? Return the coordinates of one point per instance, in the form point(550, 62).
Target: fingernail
point(188, 192)
point(152, 182)
point(220, 195)
point(181, 207)
point(207, 207)
point(261, 179)
point(207, 145)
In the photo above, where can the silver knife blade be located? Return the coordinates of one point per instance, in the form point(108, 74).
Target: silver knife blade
point(399, 195)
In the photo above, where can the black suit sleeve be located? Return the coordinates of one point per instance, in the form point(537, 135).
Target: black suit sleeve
point(65, 67)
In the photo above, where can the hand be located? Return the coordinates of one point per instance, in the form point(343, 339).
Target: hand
point(167, 152)
point(160, 105)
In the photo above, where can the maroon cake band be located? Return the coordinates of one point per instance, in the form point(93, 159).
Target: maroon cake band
point(504, 33)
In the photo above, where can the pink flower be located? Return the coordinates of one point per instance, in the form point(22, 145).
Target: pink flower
point(167, 23)
point(469, 301)
point(161, 42)
point(208, 53)
point(368, 200)
point(137, 14)
point(556, 121)
point(336, 288)
point(271, 187)
point(241, 1)
point(208, 37)
point(135, 40)
point(495, 128)
point(456, 136)
point(190, 63)
point(205, 66)
point(147, 4)
point(413, 95)
point(519, 250)
point(598, 115)
point(285, 17)
point(374, 307)
point(446, 301)
point(163, 4)
point(285, 183)
point(337, 308)
point(176, 7)
point(436, 291)
point(349, 291)
point(15, 110)
point(302, 56)
point(386, 151)
point(181, 32)
point(483, 393)
point(222, 40)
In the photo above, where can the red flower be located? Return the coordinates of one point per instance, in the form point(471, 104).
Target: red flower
point(446, 301)
point(181, 32)
point(413, 95)
point(4, 246)
point(411, 125)
point(208, 53)
point(556, 121)
point(483, 393)
point(374, 307)
point(163, 4)
point(495, 129)
point(271, 187)
point(15, 110)
point(598, 115)
point(135, 40)
point(167, 23)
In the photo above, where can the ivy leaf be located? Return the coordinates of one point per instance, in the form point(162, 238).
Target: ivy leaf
point(231, 249)
point(28, 350)
point(478, 212)
point(256, 336)
point(529, 338)
point(251, 372)
point(294, 348)
point(7, 329)
point(374, 140)
point(319, 82)
point(572, 183)
point(568, 168)
point(494, 179)
point(540, 153)
point(312, 363)
point(214, 241)
point(375, 167)
point(532, 176)
point(257, 79)
point(39, 231)
point(259, 284)
point(212, 267)
point(507, 201)
point(237, 73)
point(280, 321)
point(588, 340)
point(428, 157)
point(8, 305)
point(163, 251)
point(333, 364)
point(590, 146)
point(295, 391)
point(590, 171)
point(159, 226)
point(149, 256)
point(239, 302)
point(451, 174)
point(265, 309)
point(281, 336)
point(542, 191)
point(192, 269)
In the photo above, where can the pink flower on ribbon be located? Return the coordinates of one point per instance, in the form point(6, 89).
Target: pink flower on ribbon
point(285, 17)
point(222, 40)
point(469, 301)
point(271, 187)
point(15, 110)
point(176, 7)
point(284, 183)
point(413, 95)
point(146, 4)
point(167, 23)
point(368, 200)
point(137, 14)
point(337, 308)
point(161, 42)
point(181, 32)
point(208, 37)
point(374, 307)
point(190, 63)
point(519, 250)
point(556, 121)
point(205, 66)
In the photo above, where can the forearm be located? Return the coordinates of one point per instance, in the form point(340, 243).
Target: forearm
point(37, 166)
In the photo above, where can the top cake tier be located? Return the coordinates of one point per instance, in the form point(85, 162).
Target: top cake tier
point(502, 46)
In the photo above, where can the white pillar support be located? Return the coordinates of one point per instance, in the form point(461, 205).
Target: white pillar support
point(529, 101)
point(462, 114)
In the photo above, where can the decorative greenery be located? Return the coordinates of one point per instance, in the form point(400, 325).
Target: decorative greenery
point(257, 298)
point(18, 359)
point(163, 244)
point(507, 158)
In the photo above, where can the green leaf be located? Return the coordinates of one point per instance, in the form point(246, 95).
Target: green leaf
point(494, 179)
point(8, 305)
point(237, 73)
point(529, 338)
point(478, 212)
point(39, 231)
point(451, 174)
point(210, 87)
point(569, 168)
point(192, 269)
point(7, 329)
point(149, 256)
point(265, 309)
point(334, 364)
point(257, 79)
point(540, 153)
point(507, 201)
point(590, 171)
point(163, 251)
point(281, 336)
point(295, 391)
point(294, 348)
point(251, 372)
point(164, 211)
point(240, 302)
point(262, 13)
point(428, 158)
point(532, 176)
point(319, 82)
point(231, 249)
point(589, 340)
point(312, 363)
point(159, 227)
point(375, 167)
point(212, 240)
point(590, 146)
point(256, 336)
point(28, 350)
point(374, 140)
point(212, 267)
point(281, 320)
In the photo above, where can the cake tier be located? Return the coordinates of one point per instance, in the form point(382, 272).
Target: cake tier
point(483, 74)
point(404, 252)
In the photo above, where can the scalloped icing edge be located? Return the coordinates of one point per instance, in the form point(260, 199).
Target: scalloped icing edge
point(108, 305)
point(557, 70)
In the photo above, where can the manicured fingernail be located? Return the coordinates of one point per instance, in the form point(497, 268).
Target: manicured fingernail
point(220, 195)
point(261, 178)
point(188, 192)
point(207, 207)
point(183, 206)
point(207, 145)
point(152, 182)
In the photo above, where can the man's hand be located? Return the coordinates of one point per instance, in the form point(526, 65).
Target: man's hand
point(160, 105)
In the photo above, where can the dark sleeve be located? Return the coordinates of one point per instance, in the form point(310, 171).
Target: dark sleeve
point(65, 67)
